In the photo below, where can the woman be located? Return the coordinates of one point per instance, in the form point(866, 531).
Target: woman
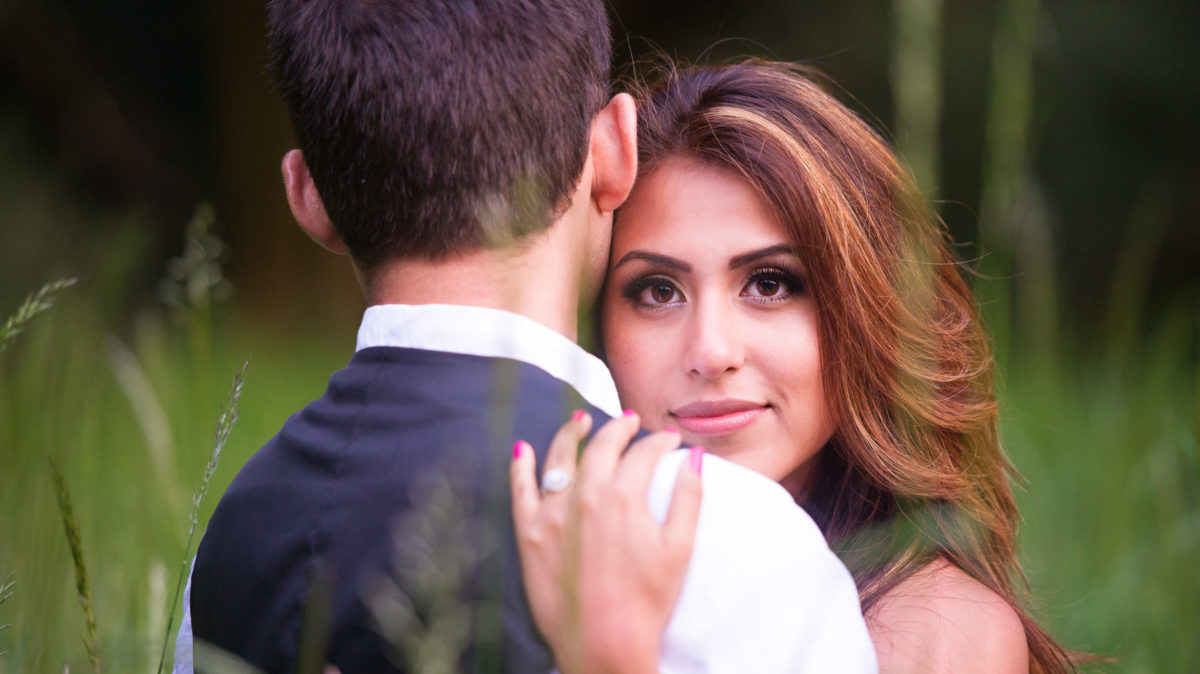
point(779, 292)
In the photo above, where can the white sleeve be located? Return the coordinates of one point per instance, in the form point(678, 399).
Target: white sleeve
point(183, 640)
point(763, 592)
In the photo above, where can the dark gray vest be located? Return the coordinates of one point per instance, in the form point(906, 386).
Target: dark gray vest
point(376, 524)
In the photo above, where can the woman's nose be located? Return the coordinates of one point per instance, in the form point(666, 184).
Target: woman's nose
point(715, 346)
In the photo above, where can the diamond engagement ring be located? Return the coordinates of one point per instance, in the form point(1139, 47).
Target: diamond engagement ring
point(556, 480)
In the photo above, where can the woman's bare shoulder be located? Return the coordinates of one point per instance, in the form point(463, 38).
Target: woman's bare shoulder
point(942, 620)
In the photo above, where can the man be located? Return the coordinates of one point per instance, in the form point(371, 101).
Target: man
point(467, 157)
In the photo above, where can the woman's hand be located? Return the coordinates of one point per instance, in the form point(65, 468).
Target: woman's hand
point(601, 574)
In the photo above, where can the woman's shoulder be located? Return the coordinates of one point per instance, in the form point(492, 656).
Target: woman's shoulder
point(942, 620)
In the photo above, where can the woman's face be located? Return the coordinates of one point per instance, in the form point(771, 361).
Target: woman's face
point(708, 325)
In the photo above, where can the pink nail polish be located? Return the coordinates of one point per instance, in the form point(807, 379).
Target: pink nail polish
point(577, 415)
point(671, 430)
point(517, 447)
point(628, 413)
point(696, 458)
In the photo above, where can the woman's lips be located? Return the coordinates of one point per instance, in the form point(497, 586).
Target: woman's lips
point(717, 417)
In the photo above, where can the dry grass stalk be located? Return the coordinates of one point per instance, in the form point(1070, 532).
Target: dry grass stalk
point(71, 526)
point(221, 433)
point(38, 302)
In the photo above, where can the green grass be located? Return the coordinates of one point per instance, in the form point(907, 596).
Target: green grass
point(1103, 426)
point(1111, 535)
point(1112, 510)
point(132, 454)
point(1102, 420)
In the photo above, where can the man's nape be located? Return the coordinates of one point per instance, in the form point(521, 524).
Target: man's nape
point(545, 274)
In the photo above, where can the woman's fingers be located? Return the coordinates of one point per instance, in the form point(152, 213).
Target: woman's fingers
point(523, 482)
point(597, 552)
point(564, 448)
point(603, 451)
point(540, 520)
point(523, 479)
point(679, 530)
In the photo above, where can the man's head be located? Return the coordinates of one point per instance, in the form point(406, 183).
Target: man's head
point(434, 128)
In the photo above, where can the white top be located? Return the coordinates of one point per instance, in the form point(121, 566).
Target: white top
point(763, 591)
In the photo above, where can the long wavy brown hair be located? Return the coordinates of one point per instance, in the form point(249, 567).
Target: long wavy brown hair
point(914, 470)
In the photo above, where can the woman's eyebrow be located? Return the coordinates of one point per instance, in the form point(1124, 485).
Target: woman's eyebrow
point(656, 258)
point(754, 255)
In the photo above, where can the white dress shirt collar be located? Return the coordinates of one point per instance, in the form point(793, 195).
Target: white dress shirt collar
point(492, 333)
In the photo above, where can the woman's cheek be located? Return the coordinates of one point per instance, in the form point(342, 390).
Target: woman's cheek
point(637, 361)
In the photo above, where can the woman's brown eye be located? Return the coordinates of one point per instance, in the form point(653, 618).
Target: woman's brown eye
point(768, 287)
point(662, 294)
point(652, 292)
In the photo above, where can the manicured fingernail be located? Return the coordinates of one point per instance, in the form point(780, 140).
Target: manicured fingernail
point(628, 413)
point(518, 446)
point(671, 430)
point(696, 458)
point(577, 415)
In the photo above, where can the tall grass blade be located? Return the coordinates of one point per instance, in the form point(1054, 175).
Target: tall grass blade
point(156, 599)
point(212, 659)
point(221, 433)
point(38, 302)
point(6, 593)
point(1134, 270)
point(313, 646)
point(1005, 166)
point(144, 404)
point(917, 87)
point(71, 525)
point(1009, 119)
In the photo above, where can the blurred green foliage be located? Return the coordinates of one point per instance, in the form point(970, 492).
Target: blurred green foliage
point(121, 381)
point(127, 412)
point(1106, 437)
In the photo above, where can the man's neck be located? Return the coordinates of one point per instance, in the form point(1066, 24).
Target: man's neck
point(536, 280)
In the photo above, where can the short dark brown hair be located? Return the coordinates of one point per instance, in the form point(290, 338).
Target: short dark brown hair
point(433, 127)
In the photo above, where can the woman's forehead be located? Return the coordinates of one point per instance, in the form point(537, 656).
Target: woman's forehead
point(684, 200)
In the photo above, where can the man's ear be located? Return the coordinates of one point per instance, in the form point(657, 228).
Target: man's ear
point(306, 204)
point(613, 151)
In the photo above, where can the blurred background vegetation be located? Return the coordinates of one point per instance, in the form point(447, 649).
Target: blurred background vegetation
point(139, 150)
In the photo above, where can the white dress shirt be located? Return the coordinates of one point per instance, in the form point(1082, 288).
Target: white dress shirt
point(763, 592)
